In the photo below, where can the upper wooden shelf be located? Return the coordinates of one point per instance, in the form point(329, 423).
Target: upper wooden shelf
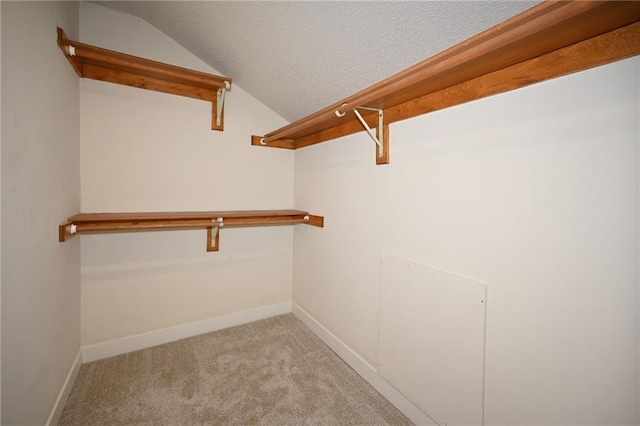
point(210, 220)
point(115, 67)
point(549, 40)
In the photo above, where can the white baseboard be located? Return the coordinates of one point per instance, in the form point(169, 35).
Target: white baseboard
point(147, 340)
point(63, 395)
point(154, 338)
point(364, 369)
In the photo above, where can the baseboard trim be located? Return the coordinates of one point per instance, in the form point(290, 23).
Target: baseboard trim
point(159, 337)
point(363, 368)
point(63, 395)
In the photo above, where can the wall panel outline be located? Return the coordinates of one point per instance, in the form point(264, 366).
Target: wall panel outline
point(432, 339)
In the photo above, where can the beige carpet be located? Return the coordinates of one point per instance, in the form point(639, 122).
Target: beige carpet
point(269, 372)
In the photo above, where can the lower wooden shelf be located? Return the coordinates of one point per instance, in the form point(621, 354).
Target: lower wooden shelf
point(212, 221)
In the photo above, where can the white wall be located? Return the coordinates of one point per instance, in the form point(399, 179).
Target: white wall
point(148, 151)
point(0, 224)
point(534, 192)
point(40, 188)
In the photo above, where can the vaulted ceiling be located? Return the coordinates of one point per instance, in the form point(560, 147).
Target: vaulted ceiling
point(300, 56)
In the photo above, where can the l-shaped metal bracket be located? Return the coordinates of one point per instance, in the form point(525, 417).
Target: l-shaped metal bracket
point(213, 236)
point(382, 136)
point(220, 102)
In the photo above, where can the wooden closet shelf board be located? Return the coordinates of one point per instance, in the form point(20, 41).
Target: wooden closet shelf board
point(546, 41)
point(210, 220)
point(107, 65)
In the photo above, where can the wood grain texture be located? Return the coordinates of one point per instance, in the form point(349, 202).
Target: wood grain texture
point(138, 221)
point(606, 48)
point(110, 222)
point(384, 159)
point(114, 67)
point(180, 216)
point(316, 221)
point(158, 85)
point(610, 47)
point(213, 244)
point(278, 143)
point(109, 59)
point(214, 109)
point(63, 232)
point(550, 30)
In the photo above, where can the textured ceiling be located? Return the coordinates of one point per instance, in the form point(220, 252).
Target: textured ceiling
point(300, 56)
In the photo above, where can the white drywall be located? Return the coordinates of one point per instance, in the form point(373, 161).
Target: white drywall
point(534, 192)
point(40, 188)
point(431, 339)
point(149, 151)
point(0, 223)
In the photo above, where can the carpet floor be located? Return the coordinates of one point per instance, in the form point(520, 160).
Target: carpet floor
point(269, 372)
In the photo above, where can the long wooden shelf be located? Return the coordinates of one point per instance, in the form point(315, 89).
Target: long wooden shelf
point(549, 40)
point(213, 221)
point(115, 67)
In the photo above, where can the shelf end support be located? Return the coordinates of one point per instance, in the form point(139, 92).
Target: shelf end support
point(277, 143)
point(314, 220)
point(381, 137)
point(66, 231)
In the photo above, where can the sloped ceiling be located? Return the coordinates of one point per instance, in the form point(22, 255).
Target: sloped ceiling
point(300, 56)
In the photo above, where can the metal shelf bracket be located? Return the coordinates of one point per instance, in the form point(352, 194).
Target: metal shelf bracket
point(213, 234)
point(220, 102)
point(379, 139)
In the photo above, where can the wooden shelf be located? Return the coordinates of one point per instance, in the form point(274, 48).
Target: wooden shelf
point(546, 41)
point(107, 65)
point(213, 221)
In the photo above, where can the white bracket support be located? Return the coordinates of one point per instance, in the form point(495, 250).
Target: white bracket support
point(213, 234)
point(379, 140)
point(220, 102)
